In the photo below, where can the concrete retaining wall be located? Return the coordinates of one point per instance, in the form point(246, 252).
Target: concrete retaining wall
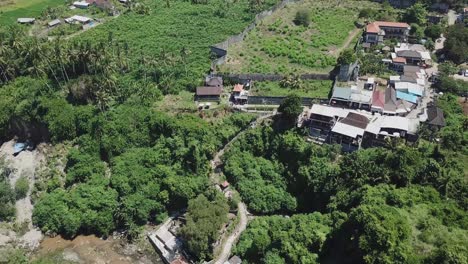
point(277, 100)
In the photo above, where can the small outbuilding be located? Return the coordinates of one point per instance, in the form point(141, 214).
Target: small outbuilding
point(26, 20)
point(54, 23)
point(224, 185)
point(82, 4)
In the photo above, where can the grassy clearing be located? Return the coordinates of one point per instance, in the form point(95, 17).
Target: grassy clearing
point(24, 8)
point(181, 103)
point(277, 45)
point(311, 88)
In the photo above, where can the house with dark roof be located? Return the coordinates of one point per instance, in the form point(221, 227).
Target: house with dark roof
point(214, 81)
point(394, 105)
point(435, 116)
point(411, 57)
point(349, 131)
point(208, 93)
point(376, 32)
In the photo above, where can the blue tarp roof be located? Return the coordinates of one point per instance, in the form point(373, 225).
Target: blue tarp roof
point(341, 93)
point(407, 97)
point(19, 147)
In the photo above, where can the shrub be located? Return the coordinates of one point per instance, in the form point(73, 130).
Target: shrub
point(21, 187)
point(302, 18)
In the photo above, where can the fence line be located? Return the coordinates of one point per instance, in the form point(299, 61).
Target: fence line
point(220, 49)
point(243, 77)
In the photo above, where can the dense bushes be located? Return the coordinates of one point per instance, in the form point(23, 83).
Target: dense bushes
point(277, 239)
point(205, 218)
point(302, 18)
point(396, 205)
point(156, 163)
point(21, 187)
point(456, 45)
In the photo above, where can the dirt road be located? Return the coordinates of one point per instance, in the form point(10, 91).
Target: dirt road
point(242, 209)
point(226, 252)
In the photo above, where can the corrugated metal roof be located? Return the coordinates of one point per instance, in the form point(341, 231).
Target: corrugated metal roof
point(347, 130)
point(341, 93)
point(407, 97)
point(328, 111)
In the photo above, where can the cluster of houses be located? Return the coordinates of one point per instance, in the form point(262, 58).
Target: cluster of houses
point(86, 22)
point(354, 129)
point(365, 111)
point(396, 97)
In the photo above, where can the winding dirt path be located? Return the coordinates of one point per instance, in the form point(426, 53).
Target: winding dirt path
point(242, 208)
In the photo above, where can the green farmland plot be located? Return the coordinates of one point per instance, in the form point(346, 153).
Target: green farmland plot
point(278, 45)
point(10, 10)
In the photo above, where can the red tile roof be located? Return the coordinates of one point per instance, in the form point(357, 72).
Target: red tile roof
point(225, 184)
point(391, 24)
point(374, 27)
point(399, 60)
point(378, 99)
point(238, 88)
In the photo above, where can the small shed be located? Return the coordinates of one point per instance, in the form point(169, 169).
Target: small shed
point(224, 184)
point(54, 23)
point(26, 20)
point(82, 4)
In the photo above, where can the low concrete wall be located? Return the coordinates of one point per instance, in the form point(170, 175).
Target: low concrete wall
point(277, 100)
point(242, 77)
